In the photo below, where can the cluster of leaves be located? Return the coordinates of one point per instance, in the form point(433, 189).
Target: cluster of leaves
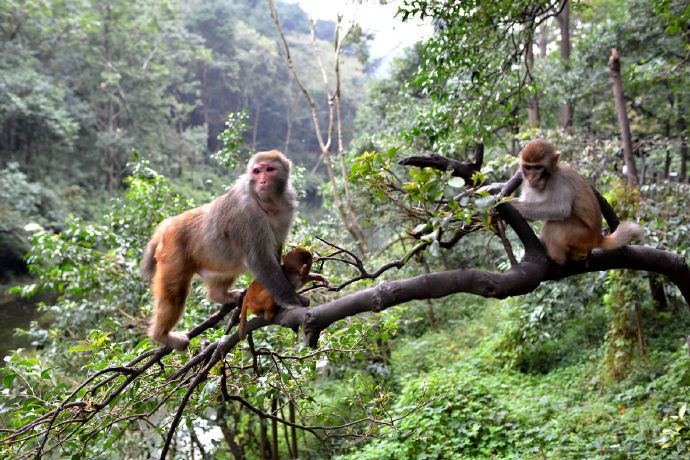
point(463, 415)
point(94, 267)
point(468, 67)
point(540, 327)
point(427, 198)
point(480, 408)
point(22, 203)
point(232, 140)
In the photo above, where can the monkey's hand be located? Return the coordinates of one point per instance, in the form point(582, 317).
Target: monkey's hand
point(318, 277)
point(304, 302)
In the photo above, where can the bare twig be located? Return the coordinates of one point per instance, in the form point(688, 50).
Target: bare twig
point(345, 209)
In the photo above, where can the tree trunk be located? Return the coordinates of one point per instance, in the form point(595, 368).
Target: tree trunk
point(667, 135)
point(543, 40)
point(263, 440)
point(255, 128)
point(641, 342)
point(274, 429)
point(682, 126)
point(617, 85)
point(228, 433)
point(431, 314)
point(290, 108)
point(532, 98)
point(643, 166)
point(564, 23)
point(293, 430)
point(657, 290)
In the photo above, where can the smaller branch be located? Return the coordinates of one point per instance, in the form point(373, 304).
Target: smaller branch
point(185, 399)
point(500, 225)
point(285, 53)
point(359, 265)
point(512, 184)
point(464, 169)
point(530, 241)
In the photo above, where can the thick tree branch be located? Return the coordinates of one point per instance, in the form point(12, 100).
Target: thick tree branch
point(522, 278)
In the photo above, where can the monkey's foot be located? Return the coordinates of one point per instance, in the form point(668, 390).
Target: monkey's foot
point(178, 341)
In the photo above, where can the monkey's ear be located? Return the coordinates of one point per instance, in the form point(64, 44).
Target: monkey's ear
point(282, 258)
point(556, 156)
point(304, 271)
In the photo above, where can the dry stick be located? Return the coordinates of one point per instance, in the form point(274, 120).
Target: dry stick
point(500, 225)
point(334, 98)
point(364, 274)
point(155, 355)
point(341, 150)
point(325, 146)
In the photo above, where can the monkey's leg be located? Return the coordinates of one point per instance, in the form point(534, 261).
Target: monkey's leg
point(567, 239)
point(580, 239)
point(170, 292)
point(553, 236)
point(217, 290)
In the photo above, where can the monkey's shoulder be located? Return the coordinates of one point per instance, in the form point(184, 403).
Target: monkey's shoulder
point(568, 173)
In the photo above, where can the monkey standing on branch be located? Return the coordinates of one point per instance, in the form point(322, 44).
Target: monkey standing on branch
point(241, 231)
point(296, 266)
point(554, 193)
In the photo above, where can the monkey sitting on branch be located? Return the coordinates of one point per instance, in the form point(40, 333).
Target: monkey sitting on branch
point(239, 232)
point(556, 194)
point(258, 300)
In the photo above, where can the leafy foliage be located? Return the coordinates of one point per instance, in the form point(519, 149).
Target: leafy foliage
point(232, 140)
point(592, 367)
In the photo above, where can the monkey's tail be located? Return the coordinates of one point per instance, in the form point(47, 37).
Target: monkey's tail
point(148, 263)
point(626, 232)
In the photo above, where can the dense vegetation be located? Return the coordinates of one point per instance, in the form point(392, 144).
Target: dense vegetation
point(115, 114)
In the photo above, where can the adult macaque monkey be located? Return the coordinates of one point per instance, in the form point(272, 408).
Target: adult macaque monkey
point(241, 231)
point(258, 300)
point(554, 193)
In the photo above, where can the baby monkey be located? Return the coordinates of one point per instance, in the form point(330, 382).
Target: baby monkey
point(296, 266)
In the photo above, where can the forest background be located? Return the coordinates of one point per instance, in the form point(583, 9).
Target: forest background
point(115, 114)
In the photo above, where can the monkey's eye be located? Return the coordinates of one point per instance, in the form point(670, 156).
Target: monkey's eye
point(270, 168)
point(256, 171)
point(527, 167)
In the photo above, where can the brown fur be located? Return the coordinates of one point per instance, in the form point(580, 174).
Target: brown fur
point(241, 231)
point(558, 195)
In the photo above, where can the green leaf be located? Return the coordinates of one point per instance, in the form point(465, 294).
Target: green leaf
point(456, 182)
point(8, 379)
point(82, 347)
point(422, 228)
